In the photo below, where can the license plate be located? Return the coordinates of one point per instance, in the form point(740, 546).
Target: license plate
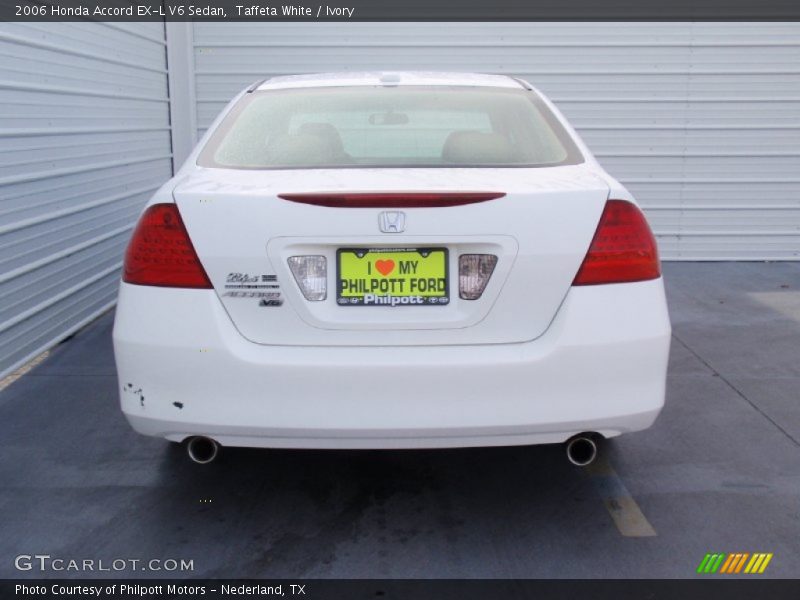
point(392, 277)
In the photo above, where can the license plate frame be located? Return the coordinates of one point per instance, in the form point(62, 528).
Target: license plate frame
point(424, 298)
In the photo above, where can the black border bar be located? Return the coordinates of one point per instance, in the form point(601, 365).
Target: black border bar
point(714, 588)
point(401, 10)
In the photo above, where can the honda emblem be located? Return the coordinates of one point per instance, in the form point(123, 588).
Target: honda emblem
point(392, 221)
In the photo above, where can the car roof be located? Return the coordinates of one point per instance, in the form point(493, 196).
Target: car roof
point(389, 78)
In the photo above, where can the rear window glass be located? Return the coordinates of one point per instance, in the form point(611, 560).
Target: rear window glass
point(435, 126)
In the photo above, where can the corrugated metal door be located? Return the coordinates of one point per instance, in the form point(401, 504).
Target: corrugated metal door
point(700, 120)
point(84, 141)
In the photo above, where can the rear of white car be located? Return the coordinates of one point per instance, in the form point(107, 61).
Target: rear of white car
point(408, 261)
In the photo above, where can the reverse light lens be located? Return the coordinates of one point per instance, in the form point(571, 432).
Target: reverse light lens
point(623, 248)
point(474, 271)
point(311, 275)
point(160, 252)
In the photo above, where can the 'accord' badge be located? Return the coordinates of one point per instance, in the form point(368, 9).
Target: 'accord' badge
point(392, 221)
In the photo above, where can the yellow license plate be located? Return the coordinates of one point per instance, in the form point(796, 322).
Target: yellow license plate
point(392, 277)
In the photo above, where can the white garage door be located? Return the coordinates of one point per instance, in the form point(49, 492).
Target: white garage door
point(700, 120)
point(84, 141)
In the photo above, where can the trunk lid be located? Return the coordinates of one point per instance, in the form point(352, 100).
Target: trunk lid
point(244, 235)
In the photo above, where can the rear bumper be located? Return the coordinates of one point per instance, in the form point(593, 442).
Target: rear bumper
point(184, 370)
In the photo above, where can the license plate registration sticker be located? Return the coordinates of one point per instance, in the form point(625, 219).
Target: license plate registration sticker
point(392, 277)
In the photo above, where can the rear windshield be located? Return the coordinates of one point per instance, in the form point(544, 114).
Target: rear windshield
point(347, 127)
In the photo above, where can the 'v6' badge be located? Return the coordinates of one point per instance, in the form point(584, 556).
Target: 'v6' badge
point(392, 221)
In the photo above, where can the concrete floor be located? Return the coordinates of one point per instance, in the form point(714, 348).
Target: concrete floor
point(719, 472)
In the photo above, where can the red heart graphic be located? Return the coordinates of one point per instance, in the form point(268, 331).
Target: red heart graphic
point(384, 266)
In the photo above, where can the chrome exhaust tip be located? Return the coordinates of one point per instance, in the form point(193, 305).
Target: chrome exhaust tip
point(581, 450)
point(202, 450)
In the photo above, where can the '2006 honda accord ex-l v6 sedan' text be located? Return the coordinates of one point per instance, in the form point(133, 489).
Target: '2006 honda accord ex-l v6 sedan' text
point(391, 260)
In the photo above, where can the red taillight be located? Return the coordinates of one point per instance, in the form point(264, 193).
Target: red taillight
point(623, 248)
point(160, 252)
point(391, 199)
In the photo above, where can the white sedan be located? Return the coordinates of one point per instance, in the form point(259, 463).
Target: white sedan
point(391, 260)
